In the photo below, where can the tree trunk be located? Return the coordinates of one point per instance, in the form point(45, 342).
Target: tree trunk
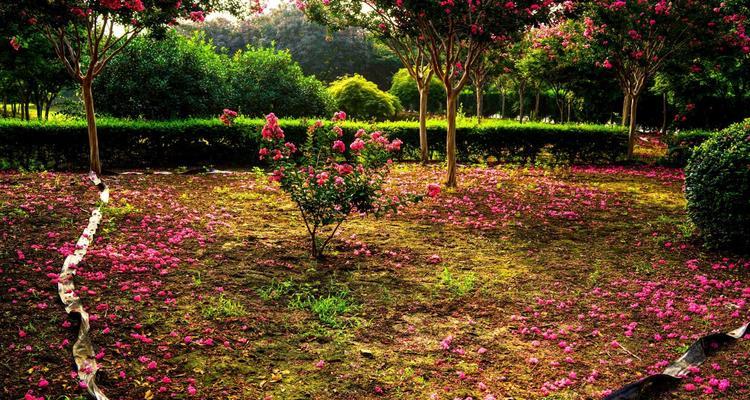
point(5, 106)
point(450, 151)
point(520, 103)
point(570, 109)
point(502, 104)
point(88, 102)
point(478, 93)
point(536, 106)
point(626, 102)
point(631, 131)
point(663, 113)
point(39, 111)
point(46, 109)
point(423, 145)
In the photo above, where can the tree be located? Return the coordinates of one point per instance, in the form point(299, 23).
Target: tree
point(164, 78)
point(382, 19)
point(405, 88)
point(30, 74)
point(87, 34)
point(269, 80)
point(456, 36)
point(555, 57)
point(479, 76)
point(637, 38)
point(327, 55)
point(446, 38)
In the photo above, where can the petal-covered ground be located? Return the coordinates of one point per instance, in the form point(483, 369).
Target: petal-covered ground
point(523, 283)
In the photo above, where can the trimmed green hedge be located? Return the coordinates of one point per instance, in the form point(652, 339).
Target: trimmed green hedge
point(198, 142)
point(680, 145)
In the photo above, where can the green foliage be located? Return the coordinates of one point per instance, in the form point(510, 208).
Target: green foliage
point(266, 80)
point(62, 144)
point(32, 74)
point(167, 78)
point(319, 51)
point(175, 77)
point(362, 99)
point(404, 87)
point(328, 308)
point(680, 145)
point(717, 187)
point(223, 307)
point(459, 285)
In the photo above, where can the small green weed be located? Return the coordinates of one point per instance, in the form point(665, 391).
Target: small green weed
point(223, 307)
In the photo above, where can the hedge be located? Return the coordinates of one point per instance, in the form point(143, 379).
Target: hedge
point(201, 142)
point(680, 145)
point(717, 188)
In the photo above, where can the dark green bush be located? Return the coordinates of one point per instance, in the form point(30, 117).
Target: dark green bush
point(362, 99)
point(717, 187)
point(267, 80)
point(680, 145)
point(196, 142)
point(174, 77)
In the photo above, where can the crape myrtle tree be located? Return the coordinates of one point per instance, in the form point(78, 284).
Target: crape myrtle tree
point(86, 34)
point(382, 20)
point(454, 35)
point(637, 38)
point(556, 54)
point(483, 72)
point(457, 35)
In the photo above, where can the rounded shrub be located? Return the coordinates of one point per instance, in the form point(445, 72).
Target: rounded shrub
point(361, 99)
point(717, 187)
point(263, 81)
point(167, 78)
point(404, 87)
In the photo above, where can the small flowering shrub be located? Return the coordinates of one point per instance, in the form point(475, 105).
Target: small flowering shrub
point(328, 179)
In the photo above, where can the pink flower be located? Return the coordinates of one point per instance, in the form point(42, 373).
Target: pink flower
point(445, 344)
point(322, 178)
point(357, 145)
point(151, 365)
point(339, 146)
point(339, 116)
point(433, 189)
point(191, 390)
point(320, 364)
point(43, 383)
point(198, 16)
